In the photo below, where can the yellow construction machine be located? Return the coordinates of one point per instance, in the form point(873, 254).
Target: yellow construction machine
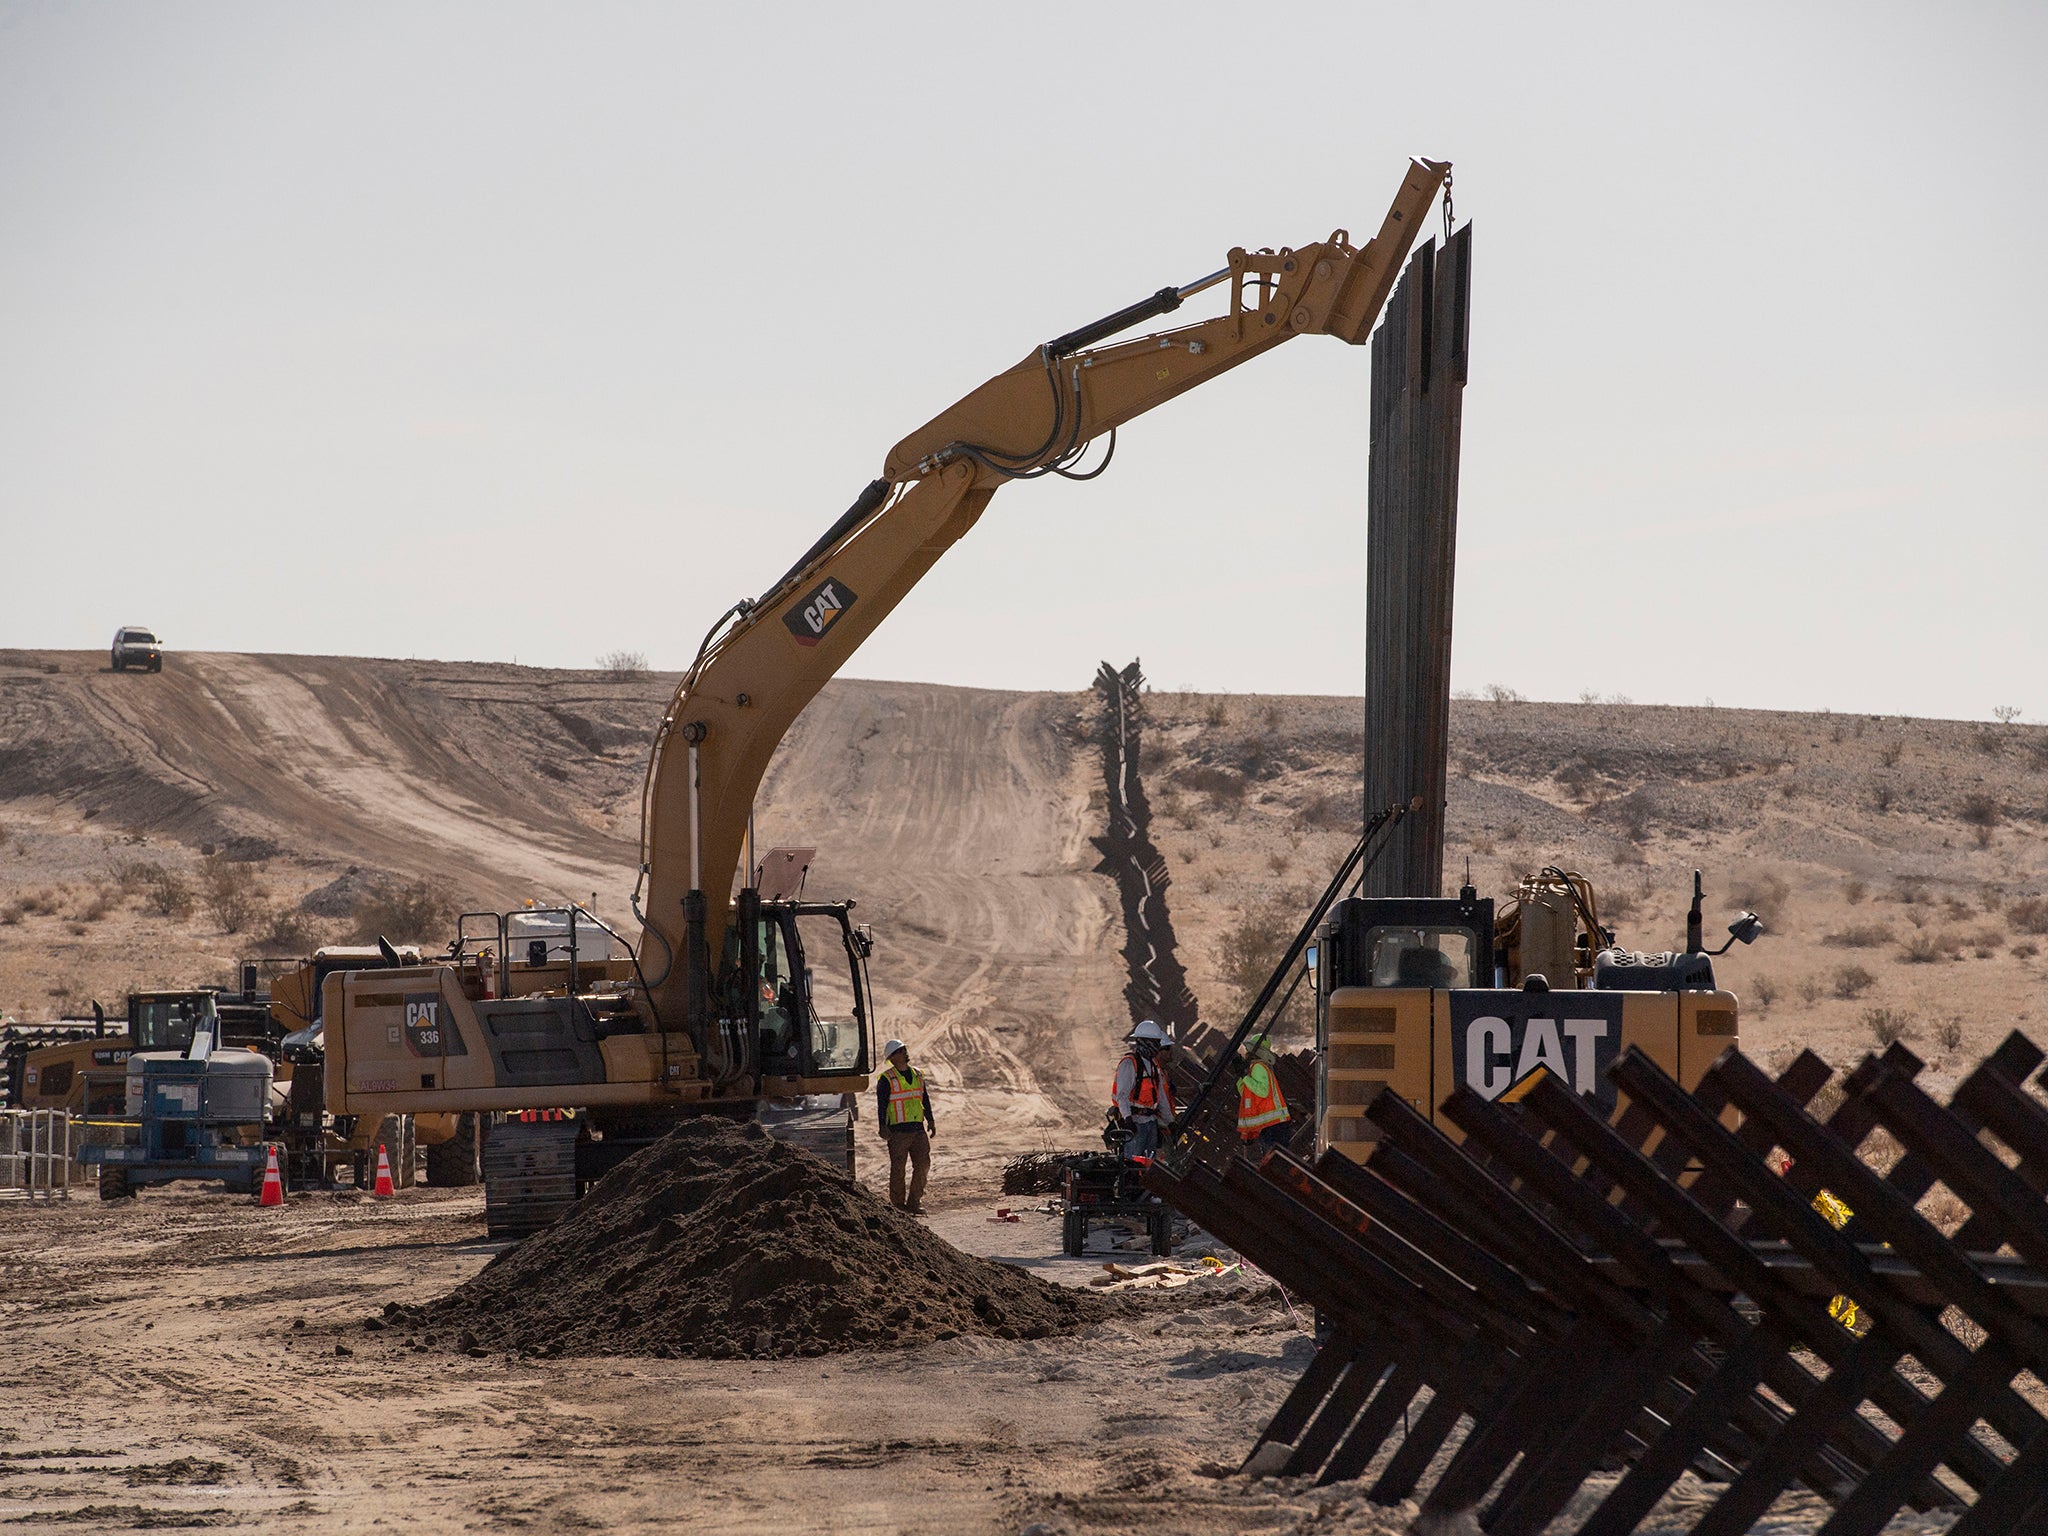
point(728, 999)
point(1421, 995)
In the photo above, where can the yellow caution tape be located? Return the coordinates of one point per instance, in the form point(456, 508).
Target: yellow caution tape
point(1841, 1308)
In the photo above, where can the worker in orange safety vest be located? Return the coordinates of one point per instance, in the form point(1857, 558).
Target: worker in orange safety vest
point(1143, 1095)
point(1263, 1119)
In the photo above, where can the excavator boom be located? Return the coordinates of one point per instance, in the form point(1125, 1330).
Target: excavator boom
point(768, 657)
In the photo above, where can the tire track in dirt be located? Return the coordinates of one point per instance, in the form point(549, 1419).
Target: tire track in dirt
point(959, 823)
point(957, 817)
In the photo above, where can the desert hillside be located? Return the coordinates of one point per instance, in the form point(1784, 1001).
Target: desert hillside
point(1902, 864)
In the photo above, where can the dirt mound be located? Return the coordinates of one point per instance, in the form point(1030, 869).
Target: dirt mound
point(720, 1241)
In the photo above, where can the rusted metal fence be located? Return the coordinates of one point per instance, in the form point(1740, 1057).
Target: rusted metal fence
point(1157, 985)
point(1716, 1282)
point(1418, 387)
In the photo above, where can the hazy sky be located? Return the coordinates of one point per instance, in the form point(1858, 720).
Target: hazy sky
point(493, 331)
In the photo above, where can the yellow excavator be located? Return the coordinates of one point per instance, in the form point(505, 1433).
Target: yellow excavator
point(729, 1000)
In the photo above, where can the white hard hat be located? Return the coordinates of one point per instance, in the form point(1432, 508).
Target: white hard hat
point(1149, 1030)
point(892, 1048)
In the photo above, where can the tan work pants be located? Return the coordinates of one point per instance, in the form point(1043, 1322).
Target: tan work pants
point(909, 1144)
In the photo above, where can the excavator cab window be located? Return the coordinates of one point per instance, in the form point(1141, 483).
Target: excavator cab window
point(836, 1004)
point(167, 1023)
point(1422, 957)
point(780, 1041)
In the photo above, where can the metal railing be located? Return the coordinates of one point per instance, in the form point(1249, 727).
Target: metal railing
point(37, 1157)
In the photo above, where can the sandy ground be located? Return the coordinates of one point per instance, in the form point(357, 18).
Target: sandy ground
point(188, 1359)
point(155, 1368)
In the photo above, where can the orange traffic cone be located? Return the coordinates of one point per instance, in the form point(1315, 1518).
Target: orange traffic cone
point(273, 1181)
point(383, 1191)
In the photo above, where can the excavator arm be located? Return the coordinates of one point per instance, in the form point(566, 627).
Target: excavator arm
point(766, 658)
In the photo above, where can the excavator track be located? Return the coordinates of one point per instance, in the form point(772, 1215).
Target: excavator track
point(529, 1175)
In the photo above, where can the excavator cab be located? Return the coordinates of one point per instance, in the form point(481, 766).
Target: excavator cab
point(810, 991)
point(167, 1021)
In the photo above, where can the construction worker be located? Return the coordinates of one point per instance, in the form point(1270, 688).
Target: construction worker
point(1143, 1093)
point(1263, 1119)
point(904, 1101)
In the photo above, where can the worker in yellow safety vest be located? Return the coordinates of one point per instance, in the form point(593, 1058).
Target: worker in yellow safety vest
point(904, 1102)
point(1263, 1119)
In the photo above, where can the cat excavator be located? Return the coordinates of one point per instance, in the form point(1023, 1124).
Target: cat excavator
point(730, 999)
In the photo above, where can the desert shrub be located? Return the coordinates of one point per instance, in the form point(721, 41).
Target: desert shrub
point(1989, 742)
point(408, 915)
point(1944, 1210)
point(1762, 894)
point(2025, 950)
point(11, 915)
point(168, 892)
point(1887, 1026)
point(1948, 1034)
point(134, 875)
point(1220, 784)
point(1252, 946)
point(1852, 981)
point(4, 834)
point(1822, 1105)
point(1618, 903)
point(1810, 989)
point(622, 666)
point(1501, 693)
point(292, 930)
point(1329, 813)
point(103, 901)
point(1859, 936)
point(1982, 813)
point(1890, 753)
point(1216, 711)
point(1278, 862)
point(1271, 715)
point(1157, 751)
point(1853, 891)
point(1922, 949)
point(1765, 990)
point(2028, 916)
point(1881, 798)
point(231, 892)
